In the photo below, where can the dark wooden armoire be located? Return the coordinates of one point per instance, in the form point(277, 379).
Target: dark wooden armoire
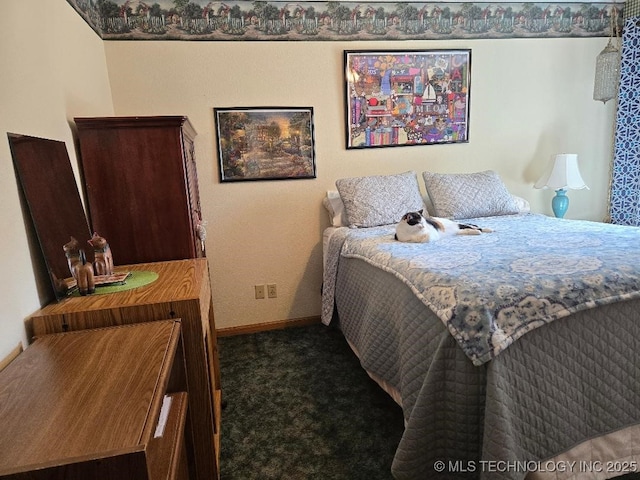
point(141, 186)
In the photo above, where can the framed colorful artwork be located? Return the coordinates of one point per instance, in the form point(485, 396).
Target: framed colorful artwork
point(265, 143)
point(407, 97)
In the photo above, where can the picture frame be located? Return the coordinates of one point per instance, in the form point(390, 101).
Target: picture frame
point(265, 143)
point(407, 97)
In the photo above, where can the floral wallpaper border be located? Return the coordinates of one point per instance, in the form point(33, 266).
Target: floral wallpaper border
point(331, 21)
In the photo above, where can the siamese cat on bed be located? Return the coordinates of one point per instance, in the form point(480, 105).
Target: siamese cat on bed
point(416, 228)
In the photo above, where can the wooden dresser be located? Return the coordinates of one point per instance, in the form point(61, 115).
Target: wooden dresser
point(141, 186)
point(182, 291)
point(103, 404)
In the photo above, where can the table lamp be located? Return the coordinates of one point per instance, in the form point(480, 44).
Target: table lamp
point(562, 175)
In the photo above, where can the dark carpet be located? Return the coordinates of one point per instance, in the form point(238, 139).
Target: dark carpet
point(299, 406)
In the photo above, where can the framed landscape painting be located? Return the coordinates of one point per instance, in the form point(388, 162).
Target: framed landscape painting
point(265, 143)
point(407, 97)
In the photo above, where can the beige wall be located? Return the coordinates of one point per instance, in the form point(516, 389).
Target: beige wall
point(53, 68)
point(529, 99)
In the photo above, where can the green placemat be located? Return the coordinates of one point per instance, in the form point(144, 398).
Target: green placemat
point(135, 280)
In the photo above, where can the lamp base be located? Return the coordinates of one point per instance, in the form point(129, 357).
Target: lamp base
point(560, 203)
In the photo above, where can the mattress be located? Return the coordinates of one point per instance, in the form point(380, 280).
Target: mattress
point(560, 402)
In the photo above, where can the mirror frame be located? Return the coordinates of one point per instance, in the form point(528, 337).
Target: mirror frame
point(49, 186)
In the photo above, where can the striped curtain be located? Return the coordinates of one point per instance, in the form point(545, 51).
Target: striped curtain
point(624, 202)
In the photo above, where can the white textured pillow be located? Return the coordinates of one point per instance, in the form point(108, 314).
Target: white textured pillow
point(333, 203)
point(468, 195)
point(522, 204)
point(379, 199)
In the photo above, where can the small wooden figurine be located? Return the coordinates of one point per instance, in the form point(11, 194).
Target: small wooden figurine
point(72, 252)
point(83, 273)
point(103, 261)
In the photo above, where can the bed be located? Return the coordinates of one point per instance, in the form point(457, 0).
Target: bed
point(513, 354)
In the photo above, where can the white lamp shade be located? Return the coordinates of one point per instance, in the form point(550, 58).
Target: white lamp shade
point(564, 173)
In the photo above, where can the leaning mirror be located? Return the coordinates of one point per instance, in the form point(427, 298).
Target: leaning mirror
point(51, 193)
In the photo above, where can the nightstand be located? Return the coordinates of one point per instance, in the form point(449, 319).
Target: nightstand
point(98, 404)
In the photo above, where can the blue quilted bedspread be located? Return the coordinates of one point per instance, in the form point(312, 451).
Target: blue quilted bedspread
point(491, 289)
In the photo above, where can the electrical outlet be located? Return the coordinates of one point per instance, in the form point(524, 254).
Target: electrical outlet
point(259, 291)
point(272, 290)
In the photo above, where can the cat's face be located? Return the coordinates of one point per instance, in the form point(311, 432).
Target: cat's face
point(413, 218)
point(71, 246)
point(97, 241)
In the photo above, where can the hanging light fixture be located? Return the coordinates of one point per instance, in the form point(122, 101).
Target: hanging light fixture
point(605, 86)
